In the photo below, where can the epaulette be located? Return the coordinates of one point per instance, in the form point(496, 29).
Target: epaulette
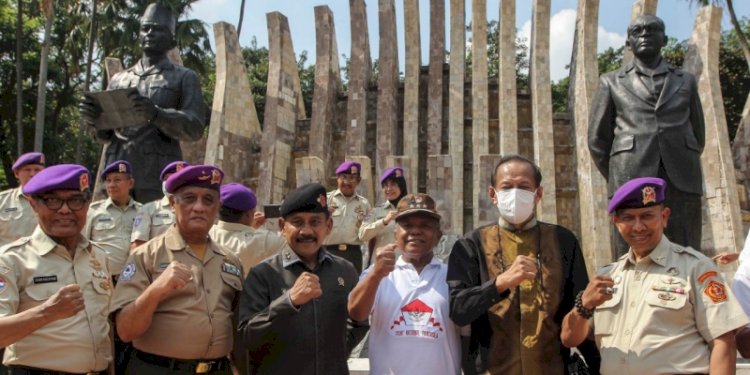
point(97, 203)
point(687, 250)
point(6, 192)
point(17, 243)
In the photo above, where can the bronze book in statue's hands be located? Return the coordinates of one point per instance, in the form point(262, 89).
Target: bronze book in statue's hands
point(117, 109)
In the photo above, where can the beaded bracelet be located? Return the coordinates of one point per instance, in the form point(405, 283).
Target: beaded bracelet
point(582, 311)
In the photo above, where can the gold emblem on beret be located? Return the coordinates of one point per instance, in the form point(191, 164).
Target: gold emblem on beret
point(41, 159)
point(354, 169)
point(83, 181)
point(398, 173)
point(215, 177)
point(322, 200)
point(649, 195)
point(203, 176)
point(179, 166)
point(122, 168)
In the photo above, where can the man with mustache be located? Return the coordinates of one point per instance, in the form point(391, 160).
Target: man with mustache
point(176, 295)
point(348, 210)
point(54, 285)
point(406, 298)
point(292, 312)
point(17, 219)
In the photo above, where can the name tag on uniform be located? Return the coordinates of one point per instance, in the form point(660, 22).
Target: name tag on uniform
point(10, 209)
point(163, 266)
point(104, 219)
point(231, 269)
point(45, 279)
point(162, 216)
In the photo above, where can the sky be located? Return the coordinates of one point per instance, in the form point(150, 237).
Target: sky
point(614, 16)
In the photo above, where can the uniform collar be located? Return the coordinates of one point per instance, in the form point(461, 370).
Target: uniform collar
point(387, 205)
point(658, 255)
point(164, 201)
point(19, 192)
point(509, 227)
point(401, 263)
point(43, 244)
point(153, 69)
point(234, 227)
point(662, 68)
point(289, 257)
point(109, 202)
point(338, 193)
point(174, 241)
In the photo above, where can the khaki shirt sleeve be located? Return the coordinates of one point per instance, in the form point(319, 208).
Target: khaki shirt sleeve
point(134, 279)
point(716, 308)
point(371, 226)
point(9, 291)
point(86, 232)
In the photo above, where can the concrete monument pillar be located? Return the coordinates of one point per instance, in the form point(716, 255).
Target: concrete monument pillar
point(234, 127)
point(541, 108)
point(741, 153)
point(440, 188)
point(283, 101)
point(387, 85)
point(327, 86)
point(435, 78)
point(722, 223)
point(360, 69)
point(592, 188)
point(411, 88)
point(456, 110)
point(639, 7)
point(309, 169)
point(479, 100)
point(507, 105)
point(485, 212)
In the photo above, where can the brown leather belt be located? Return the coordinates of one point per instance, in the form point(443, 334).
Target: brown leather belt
point(199, 366)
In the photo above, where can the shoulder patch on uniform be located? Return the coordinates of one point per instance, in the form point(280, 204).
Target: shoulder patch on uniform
point(231, 269)
point(702, 278)
point(127, 272)
point(137, 220)
point(716, 291)
point(3, 284)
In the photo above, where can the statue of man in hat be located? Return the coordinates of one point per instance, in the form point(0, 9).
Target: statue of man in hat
point(647, 121)
point(168, 95)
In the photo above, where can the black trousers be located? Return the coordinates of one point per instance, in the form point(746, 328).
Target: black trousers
point(21, 370)
point(352, 253)
point(137, 366)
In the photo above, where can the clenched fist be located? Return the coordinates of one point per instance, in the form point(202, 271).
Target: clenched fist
point(389, 217)
point(523, 268)
point(385, 260)
point(67, 302)
point(597, 292)
point(176, 276)
point(305, 289)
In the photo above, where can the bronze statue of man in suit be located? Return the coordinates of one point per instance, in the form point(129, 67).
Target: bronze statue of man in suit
point(647, 120)
point(169, 97)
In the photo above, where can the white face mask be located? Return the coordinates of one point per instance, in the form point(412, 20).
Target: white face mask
point(515, 205)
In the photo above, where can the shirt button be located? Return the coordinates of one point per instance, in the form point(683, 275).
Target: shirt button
point(632, 304)
point(208, 291)
point(627, 332)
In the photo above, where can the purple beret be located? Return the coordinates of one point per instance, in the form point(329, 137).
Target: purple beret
point(349, 167)
point(391, 173)
point(120, 166)
point(28, 158)
point(638, 193)
point(172, 168)
point(237, 197)
point(59, 177)
point(306, 198)
point(206, 176)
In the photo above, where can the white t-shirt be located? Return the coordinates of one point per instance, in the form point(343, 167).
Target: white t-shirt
point(741, 284)
point(410, 328)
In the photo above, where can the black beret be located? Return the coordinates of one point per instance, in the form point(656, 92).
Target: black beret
point(306, 198)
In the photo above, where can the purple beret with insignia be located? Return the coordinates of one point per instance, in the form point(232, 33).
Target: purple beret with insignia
point(349, 167)
point(172, 168)
point(638, 193)
point(120, 166)
point(419, 203)
point(306, 198)
point(395, 172)
point(28, 158)
point(206, 176)
point(238, 197)
point(59, 177)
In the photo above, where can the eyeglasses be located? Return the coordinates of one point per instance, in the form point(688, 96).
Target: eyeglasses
point(349, 177)
point(74, 203)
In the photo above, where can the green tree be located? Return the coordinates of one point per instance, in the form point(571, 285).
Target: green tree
point(493, 56)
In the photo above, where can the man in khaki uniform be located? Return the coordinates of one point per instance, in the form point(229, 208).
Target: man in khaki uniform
point(348, 210)
point(110, 221)
point(661, 308)
point(156, 216)
point(54, 285)
point(17, 219)
point(176, 295)
point(235, 232)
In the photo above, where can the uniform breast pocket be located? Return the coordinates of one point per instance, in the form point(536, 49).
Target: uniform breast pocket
point(163, 95)
point(231, 282)
point(102, 294)
point(666, 303)
point(623, 143)
point(606, 314)
point(162, 219)
point(35, 295)
point(10, 213)
point(104, 224)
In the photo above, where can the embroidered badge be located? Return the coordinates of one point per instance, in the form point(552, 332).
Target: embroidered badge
point(398, 173)
point(137, 221)
point(215, 177)
point(341, 281)
point(128, 272)
point(322, 200)
point(703, 277)
point(667, 297)
point(45, 279)
point(122, 168)
point(100, 274)
point(204, 177)
point(105, 285)
point(649, 195)
point(231, 269)
point(672, 271)
point(355, 170)
point(715, 291)
point(84, 181)
point(179, 166)
point(41, 159)
point(2, 284)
